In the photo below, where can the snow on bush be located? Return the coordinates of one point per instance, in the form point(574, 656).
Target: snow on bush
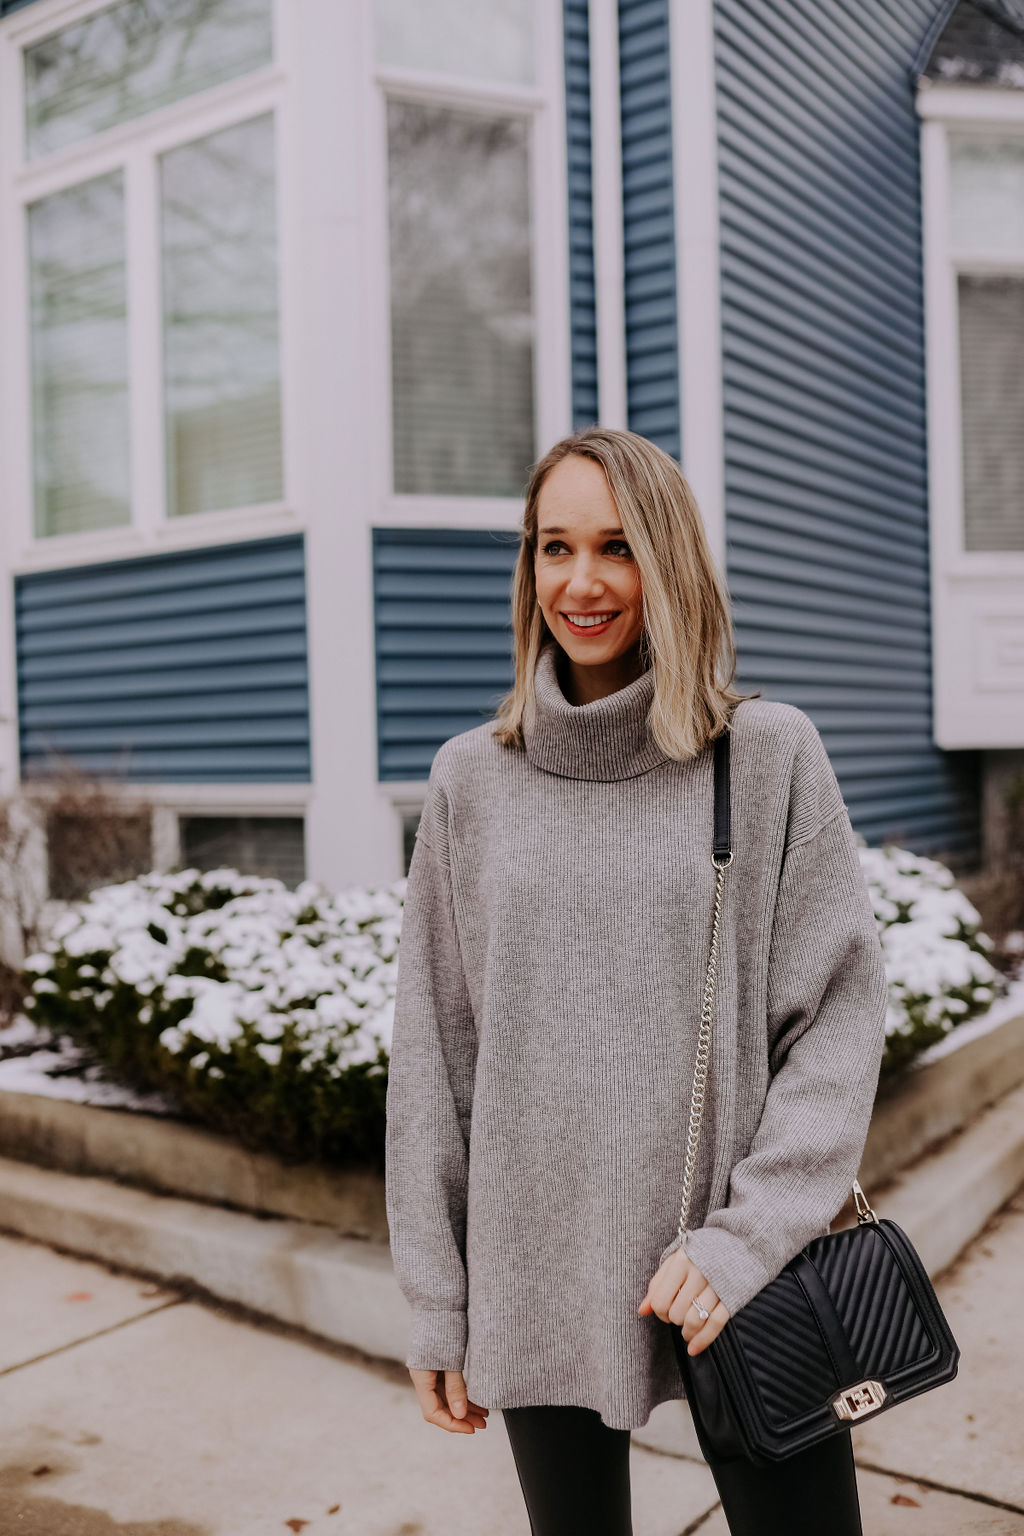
point(936, 955)
point(268, 1012)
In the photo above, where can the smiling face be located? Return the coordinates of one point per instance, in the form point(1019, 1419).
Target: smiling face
point(588, 585)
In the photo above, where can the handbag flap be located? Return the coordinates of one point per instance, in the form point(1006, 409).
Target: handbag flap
point(876, 1299)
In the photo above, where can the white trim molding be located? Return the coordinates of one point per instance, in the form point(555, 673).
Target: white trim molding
point(695, 172)
point(977, 596)
point(606, 205)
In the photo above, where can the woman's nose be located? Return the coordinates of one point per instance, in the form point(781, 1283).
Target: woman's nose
point(583, 580)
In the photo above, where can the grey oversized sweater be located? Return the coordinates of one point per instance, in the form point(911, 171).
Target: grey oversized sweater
point(552, 961)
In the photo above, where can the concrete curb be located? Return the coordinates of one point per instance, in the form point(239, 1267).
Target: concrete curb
point(294, 1272)
point(344, 1290)
point(175, 1157)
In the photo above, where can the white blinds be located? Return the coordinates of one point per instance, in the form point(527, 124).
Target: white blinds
point(130, 58)
point(221, 355)
point(79, 351)
point(992, 406)
point(986, 195)
point(492, 41)
point(461, 312)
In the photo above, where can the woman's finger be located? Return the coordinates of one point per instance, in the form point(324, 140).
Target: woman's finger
point(676, 1271)
point(458, 1399)
point(434, 1406)
point(709, 1330)
point(681, 1306)
point(692, 1322)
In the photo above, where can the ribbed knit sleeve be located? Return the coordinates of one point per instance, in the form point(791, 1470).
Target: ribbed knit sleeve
point(827, 994)
point(429, 1102)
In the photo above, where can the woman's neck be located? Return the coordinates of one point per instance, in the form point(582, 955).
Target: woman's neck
point(583, 684)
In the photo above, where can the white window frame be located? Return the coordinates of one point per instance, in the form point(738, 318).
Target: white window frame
point(977, 595)
point(698, 261)
point(543, 107)
point(134, 147)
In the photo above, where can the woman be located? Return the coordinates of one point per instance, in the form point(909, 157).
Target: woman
point(552, 963)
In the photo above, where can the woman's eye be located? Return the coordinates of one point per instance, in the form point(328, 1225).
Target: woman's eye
point(617, 547)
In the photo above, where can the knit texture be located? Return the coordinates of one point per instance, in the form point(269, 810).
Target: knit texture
point(554, 947)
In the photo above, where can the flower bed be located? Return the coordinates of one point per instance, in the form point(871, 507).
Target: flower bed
point(267, 1013)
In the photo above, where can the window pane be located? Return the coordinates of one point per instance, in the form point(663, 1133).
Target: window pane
point(79, 347)
point(131, 58)
point(458, 37)
point(221, 367)
point(987, 194)
point(461, 319)
point(992, 392)
point(254, 845)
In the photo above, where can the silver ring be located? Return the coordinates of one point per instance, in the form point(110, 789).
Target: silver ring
point(702, 1312)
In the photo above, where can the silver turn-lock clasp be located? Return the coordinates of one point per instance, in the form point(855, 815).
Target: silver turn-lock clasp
point(856, 1402)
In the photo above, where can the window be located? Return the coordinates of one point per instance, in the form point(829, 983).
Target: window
point(221, 373)
point(461, 124)
point(131, 58)
point(987, 238)
point(186, 356)
point(972, 160)
point(254, 845)
point(461, 323)
point(79, 335)
point(459, 37)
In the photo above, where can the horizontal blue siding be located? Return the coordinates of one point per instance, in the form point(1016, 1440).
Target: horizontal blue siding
point(184, 667)
point(648, 215)
point(827, 534)
point(442, 625)
point(582, 303)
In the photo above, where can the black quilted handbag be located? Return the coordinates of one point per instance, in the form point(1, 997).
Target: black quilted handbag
point(849, 1328)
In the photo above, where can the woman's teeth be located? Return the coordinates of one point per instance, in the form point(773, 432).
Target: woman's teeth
point(586, 620)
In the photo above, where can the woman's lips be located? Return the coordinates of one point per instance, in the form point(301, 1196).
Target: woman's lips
point(588, 629)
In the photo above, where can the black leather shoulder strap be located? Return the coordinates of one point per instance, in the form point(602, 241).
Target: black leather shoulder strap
point(723, 825)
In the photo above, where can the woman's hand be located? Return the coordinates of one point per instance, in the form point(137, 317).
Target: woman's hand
point(671, 1294)
point(445, 1402)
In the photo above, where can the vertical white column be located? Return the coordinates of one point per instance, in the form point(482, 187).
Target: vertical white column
point(606, 183)
point(352, 832)
point(16, 494)
point(695, 176)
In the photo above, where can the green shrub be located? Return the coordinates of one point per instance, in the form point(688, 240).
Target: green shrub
point(265, 1012)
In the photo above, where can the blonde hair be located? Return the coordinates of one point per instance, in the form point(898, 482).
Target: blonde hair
point(688, 635)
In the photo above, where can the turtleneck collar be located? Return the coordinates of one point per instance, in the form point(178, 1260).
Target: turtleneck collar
point(608, 738)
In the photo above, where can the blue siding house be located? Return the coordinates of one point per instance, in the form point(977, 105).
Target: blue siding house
point(273, 378)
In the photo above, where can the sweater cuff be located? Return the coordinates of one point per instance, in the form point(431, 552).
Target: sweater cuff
point(732, 1269)
point(437, 1341)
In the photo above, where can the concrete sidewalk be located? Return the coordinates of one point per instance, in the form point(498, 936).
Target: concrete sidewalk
point(128, 1407)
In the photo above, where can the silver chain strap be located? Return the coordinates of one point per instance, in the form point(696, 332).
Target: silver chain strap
point(700, 1070)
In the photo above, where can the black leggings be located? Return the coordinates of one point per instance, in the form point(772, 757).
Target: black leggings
point(574, 1473)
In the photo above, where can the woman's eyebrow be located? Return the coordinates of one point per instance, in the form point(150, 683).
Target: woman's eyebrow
point(606, 533)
